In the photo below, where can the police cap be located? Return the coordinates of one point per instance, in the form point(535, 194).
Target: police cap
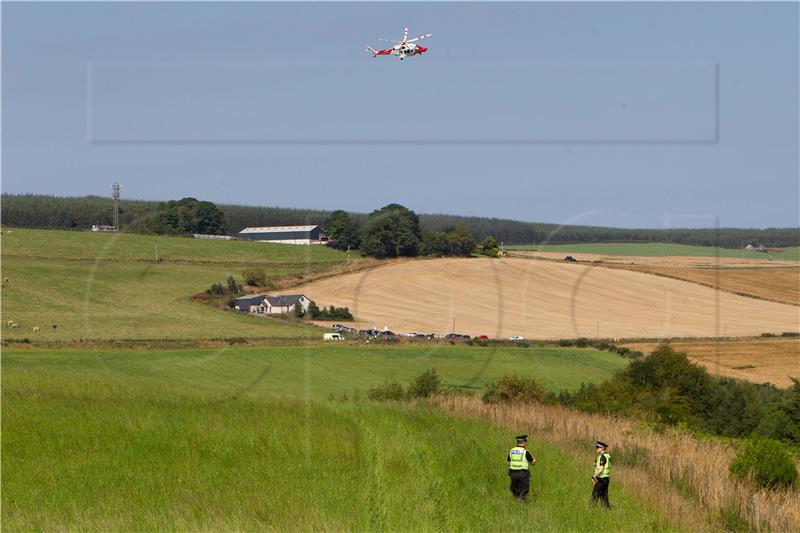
point(601, 444)
point(522, 437)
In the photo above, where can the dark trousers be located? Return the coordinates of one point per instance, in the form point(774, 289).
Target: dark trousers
point(600, 491)
point(520, 483)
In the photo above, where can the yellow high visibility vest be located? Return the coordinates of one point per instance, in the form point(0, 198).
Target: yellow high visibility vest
point(519, 458)
point(606, 467)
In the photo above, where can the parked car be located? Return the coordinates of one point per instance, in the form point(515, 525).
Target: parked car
point(371, 332)
point(516, 338)
point(345, 329)
point(483, 338)
point(570, 259)
point(457, 336)
point(414, 334)
point(332, 337)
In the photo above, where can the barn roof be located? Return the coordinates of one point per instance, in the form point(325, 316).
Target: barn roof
point(277, 229)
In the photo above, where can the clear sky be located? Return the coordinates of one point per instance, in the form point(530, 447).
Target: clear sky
point(616, 114)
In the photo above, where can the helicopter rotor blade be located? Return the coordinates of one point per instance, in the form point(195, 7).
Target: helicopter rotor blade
point(420, 38)
point(405, 34)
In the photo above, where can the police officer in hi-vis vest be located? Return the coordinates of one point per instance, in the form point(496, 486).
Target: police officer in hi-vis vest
point(602, 474)
point(519, 462)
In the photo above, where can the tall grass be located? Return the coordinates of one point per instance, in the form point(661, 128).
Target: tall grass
point(652, 464)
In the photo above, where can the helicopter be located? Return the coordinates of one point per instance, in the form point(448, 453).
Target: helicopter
point(402, 49)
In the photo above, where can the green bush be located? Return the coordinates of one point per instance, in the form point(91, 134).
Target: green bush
point(390, 390)
point(426, 384)
point(255, 276)
point(766, 461)
point(515, 389)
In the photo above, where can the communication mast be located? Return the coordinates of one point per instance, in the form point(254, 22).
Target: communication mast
point(115, 194)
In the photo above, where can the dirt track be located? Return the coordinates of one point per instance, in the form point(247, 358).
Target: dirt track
point(543, 299)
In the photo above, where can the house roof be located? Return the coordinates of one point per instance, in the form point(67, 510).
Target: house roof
point(277, 229)
point(287, 300)
point(250, 298)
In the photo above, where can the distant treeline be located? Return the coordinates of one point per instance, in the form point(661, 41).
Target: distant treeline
point(80, 213)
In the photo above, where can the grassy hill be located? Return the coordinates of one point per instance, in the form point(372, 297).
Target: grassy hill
point(110, 286)
point(244, 439)
point(659, 249)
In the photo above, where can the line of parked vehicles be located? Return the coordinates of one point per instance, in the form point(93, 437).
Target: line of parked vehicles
point(372, 333)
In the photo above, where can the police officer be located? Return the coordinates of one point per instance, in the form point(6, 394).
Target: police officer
point(519, 462)
point(602, 474)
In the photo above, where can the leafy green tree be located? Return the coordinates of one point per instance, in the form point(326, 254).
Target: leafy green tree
point(187, 216)
point(489, 247)
point(233, 288)
point(434, 243)
point(298, 310)
point(314, 311)
point(460, 241)
point(392, 231)
point(342, 230)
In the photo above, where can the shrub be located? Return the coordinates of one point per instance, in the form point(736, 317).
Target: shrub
point(255, 276)
point(390, 390)
point(298, 310)
point(426, 384)
point(216, 289)
point(766, 461)
point(515, 389)
point(583, 342)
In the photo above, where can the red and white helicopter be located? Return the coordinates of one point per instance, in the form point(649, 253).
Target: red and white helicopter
point(406, 47)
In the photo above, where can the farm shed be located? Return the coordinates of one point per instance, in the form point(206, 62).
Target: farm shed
point(284, 234)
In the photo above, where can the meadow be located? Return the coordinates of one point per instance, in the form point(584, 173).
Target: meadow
point(248, 439)
point(110, 286)
point(657, 249)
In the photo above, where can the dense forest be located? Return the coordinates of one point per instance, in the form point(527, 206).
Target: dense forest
point(80, 213)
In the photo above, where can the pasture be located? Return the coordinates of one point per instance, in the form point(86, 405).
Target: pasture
point(110, 286)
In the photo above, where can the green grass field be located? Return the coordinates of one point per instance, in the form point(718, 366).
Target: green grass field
point(659, 250)
point(108, 286)
point(313, 371)
point(245, 439)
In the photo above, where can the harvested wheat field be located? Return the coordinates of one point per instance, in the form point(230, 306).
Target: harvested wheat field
point(757, 360)
point(779, 284)
point(543, 299)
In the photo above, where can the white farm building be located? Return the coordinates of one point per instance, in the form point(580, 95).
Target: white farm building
point(284, 234)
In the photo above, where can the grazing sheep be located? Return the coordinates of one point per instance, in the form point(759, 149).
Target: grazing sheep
point(13, 325)
point(35, 329)
point(55, 326)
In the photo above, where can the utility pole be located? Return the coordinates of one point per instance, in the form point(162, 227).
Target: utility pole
point(115, 194)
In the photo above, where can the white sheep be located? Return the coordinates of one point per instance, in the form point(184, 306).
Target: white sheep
point(35, 329)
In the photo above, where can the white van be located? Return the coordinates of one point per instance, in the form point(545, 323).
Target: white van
point(332, 337)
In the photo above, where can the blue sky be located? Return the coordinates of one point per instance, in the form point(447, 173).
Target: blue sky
point(619, 114)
